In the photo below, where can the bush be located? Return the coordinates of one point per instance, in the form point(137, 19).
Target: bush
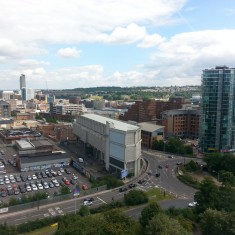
point(110, 181)
point(189, 180)
point(106, 207)
point(135, 197)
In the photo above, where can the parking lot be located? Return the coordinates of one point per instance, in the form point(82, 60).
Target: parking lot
point(15, 184)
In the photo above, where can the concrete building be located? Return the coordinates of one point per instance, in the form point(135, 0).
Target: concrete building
point(150, 133)
point(68, 109)
point(5, 109)
point(217, 123)
point(39, 154)
point(6, 95)
point(116, 143)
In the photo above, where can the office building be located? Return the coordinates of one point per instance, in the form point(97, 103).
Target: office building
point(217, 123)
point(116, 143)
point(181, 123)
point(22, 81)
point(5, 110)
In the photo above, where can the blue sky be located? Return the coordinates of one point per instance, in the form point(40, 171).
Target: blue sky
point(61, 44)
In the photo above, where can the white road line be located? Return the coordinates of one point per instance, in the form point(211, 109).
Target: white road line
point(21, 218)
point(102, 200)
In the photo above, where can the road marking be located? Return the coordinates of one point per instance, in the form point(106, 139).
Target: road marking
point(21, 218)
point(102, 200)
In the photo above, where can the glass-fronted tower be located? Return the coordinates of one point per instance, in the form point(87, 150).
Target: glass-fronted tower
point(217, 119)
point(22, 81)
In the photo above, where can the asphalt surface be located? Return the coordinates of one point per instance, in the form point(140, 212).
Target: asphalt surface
point(166, 181)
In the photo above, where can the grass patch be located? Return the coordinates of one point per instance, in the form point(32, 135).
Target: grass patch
point(157, 194)
point(186, 178)
point(42, 231)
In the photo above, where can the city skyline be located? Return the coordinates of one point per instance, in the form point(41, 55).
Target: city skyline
point(106, 43)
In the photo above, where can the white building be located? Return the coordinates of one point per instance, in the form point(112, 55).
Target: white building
point(30, 93)
point(68, 108)
point(6, 95)
point(117, 143)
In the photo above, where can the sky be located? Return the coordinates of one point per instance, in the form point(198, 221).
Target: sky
point(62, 44)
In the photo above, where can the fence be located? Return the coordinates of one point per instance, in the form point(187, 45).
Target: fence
point(54, 199)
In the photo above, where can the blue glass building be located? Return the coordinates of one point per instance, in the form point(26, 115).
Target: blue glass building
point(217, 119)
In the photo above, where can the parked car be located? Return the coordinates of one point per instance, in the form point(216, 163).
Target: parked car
point(73, 181)
point(84, 187)
point(67, 171)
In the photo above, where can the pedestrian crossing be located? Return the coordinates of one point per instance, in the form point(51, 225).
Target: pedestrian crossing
point(53, 212)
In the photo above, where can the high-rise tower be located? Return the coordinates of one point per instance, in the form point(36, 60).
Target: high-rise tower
point(217, 119)
point(22, 81)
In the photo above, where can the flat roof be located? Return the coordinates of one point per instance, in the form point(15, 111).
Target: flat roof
point(149, 127)
point(43, 158)
point(117, 124)
point(24, 144)
point(41, 142)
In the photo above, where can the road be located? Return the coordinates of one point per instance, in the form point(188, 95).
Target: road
point(167, 181)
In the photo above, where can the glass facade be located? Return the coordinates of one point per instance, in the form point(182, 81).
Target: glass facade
point(217, 119)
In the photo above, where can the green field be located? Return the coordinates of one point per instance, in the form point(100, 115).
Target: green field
point(42, 231)
point(157, 194)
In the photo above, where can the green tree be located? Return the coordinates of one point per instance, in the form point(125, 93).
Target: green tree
point(217, 222)
point(135, 197)
point(161, 224)
point(84, 211)
point(65, 190)
point(149, 212)
point(207, 196)
point(192, 166)
point(226, 199)
point(227, 178)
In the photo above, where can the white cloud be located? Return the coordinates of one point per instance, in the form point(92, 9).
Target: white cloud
point(151, 41)
point(57, 21)
point(31, 63)
point(129, 34)
point(182, 58)
point(69, 52)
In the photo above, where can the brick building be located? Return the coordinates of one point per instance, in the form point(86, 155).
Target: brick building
point(183, 123)
point(143, 111)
